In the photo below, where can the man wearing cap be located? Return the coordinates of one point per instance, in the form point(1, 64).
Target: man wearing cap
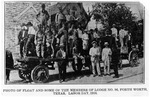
point(61, 64)
point(22, 37)
point(95, 54)
point(106, 58)
point(43, 16)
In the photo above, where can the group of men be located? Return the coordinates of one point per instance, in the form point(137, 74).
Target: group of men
point(38, 42)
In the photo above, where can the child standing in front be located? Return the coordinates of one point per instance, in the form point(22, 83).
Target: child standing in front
point(106, 58)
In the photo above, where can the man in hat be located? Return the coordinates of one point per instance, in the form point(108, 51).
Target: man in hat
point(30, 45)
point(106, 58)
point(61, 64)
point(60, 18)
point(43, 16)
point(22, 37)
point(95, 55)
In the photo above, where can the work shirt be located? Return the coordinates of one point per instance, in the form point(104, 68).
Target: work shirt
point(31, 30)
point(106, 52)
point(114, 32)
point(123, 33)
point(94, 53)
point(85, 39)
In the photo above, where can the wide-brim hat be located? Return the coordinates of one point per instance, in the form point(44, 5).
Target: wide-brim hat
point(29, 23)
point(61, 45)
point(94, 42)
point(106, 44)
point(113, 25)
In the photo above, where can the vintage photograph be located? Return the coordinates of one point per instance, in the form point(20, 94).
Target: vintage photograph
point(49, 42)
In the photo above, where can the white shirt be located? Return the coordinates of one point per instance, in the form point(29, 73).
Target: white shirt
point(85, 36)
point(114, 31)
point(105, 53)
point(123, 33)
point(31, 30)
point(79, 33)
point(94, 51)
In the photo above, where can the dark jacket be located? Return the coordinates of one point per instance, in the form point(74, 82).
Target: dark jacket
point(111, 41)
point(9, 59)
point(20, 36)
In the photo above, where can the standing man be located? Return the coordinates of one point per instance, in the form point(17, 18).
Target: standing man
point(43, 16)
point(114, 32)
point(95, 55)
point(22, 37)
point(60, 18)
point(62, 35)
point(9, 64)
point(61, 64)
point(85, 40)
point(115, 62)
point(106, 58)
point(39, 38)
point(30, 45)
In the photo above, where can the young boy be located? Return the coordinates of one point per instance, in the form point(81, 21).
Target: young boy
point(95, 54)
point(106, 57)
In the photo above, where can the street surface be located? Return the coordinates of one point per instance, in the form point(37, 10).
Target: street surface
point(128, 75)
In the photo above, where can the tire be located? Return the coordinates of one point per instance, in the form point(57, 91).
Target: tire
point(40, 74)
point(24, 74)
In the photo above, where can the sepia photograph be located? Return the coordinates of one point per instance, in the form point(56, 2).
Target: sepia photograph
point(74, 43)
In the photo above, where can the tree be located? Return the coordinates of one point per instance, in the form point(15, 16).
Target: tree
point(113, 13)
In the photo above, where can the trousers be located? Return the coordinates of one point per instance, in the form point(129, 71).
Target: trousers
point(107, 66)
point(96, 67)
point(40, 49)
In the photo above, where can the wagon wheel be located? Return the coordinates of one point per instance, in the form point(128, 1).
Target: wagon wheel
point(40, 74)
point(133, 58)
point(77, 67)
point(24, 74)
